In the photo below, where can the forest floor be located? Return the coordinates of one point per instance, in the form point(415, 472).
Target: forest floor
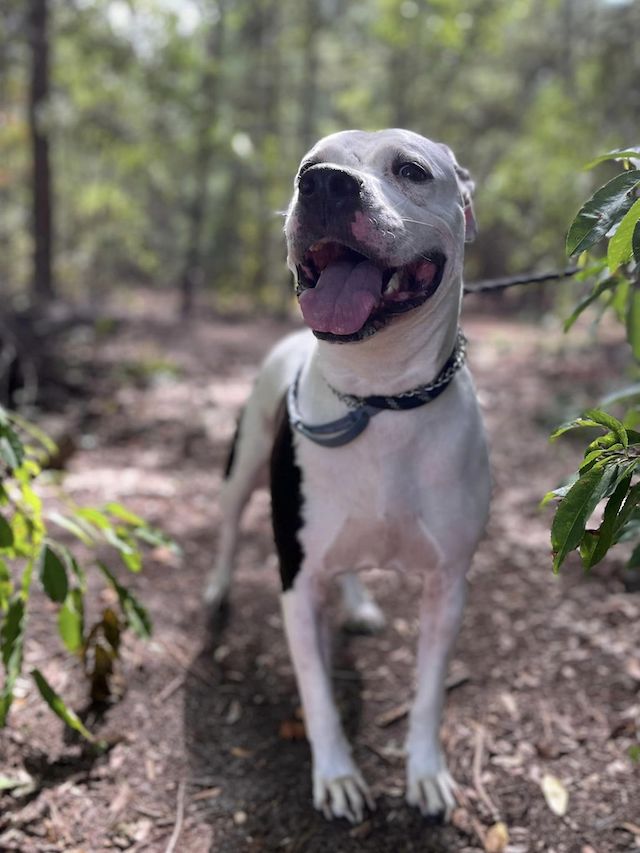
point(208, 752)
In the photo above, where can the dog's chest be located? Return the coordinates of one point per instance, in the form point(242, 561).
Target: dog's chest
point(366, 504)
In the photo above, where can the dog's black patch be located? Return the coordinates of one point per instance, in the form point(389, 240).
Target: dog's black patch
point(286, 501)
point(233, 448)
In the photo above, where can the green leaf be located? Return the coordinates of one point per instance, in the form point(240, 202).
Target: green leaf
point(11, 448)
point(11, 642)
point(6, 585)
point(620, 247)
point(607, 529)
point(72, 526)
point(58, 706)
point(635, 243)
point(590, 459)
point(601, 287)
point(133, 611)
point(604, 209)
point(124, 514)
point(95, 517)
point(6, 533)
point(611, 423)
point(633, 321)
point(626, 513)
point(35, 432)
point(576, 508)
point(576, 423)
point(53, 574)
point(616, 154)
point(71, 621)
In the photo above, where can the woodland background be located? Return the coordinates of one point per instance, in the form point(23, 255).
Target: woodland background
point(163, 135)
point(147, 151)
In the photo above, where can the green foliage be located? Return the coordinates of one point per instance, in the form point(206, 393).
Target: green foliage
point(28, 543)
point(523, 92)
point(611, 460)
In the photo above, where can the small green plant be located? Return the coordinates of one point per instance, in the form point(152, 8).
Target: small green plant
point(608, 471)
point(29, 549)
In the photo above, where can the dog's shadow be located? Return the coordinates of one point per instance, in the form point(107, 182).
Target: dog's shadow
point(249, 764)
point(249, 761)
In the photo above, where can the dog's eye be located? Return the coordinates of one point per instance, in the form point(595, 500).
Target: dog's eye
point(413, 172)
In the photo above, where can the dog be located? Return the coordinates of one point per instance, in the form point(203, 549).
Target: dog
point(372, 430)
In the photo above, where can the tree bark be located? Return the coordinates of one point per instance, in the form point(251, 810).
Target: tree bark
point(42, 286)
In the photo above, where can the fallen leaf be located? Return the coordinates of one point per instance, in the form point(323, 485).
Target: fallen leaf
point(207, 794)
point(497, 838)
point(555, 794)
point(240, 752)
point(292, 730)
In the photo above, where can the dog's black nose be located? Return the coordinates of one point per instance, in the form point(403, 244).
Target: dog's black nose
point(329, 186)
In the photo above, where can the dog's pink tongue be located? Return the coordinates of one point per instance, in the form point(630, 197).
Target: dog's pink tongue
point(343, 298)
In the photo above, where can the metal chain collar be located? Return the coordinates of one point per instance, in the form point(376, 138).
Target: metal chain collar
point(420, 394)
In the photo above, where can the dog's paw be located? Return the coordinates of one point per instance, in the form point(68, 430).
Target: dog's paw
point(343, 796)
point(432, 794)
point(366, 618)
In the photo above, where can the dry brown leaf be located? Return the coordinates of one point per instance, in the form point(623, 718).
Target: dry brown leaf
point(292, 730)
point(240, 752)
point(207, 794)
point(497, 838)
point(555, 794)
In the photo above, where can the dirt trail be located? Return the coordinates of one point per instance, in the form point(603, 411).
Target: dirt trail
point(546, 673)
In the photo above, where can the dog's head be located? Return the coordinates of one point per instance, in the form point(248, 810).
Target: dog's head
point(375, 227)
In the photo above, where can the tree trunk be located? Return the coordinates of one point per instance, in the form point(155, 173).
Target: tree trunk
point(208, 97)
point(42, 287)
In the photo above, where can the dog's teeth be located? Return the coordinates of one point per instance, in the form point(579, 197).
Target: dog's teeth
point(394, 284)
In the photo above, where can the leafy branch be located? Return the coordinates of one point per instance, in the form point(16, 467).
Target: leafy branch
point(610, 463)
point(29, 547)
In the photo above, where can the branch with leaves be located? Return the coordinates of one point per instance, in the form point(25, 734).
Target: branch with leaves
point(610, 464)
point(29, 548)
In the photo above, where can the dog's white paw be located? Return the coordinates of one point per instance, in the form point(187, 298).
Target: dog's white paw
point(216, 591)
point(366, 618)
point(342, 796)
point(432, 794)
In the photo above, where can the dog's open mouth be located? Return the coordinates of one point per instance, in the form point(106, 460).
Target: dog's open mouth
point(346, 296)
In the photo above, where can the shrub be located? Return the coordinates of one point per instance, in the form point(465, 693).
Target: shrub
point(29, 549)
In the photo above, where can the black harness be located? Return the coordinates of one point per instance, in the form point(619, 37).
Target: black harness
point(345, 429)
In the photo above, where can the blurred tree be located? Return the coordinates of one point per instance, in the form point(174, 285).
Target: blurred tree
point(204, 104)
point(42, 203)
point(175, 128)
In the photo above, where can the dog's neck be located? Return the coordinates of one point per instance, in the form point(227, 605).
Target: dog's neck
point(409, 352)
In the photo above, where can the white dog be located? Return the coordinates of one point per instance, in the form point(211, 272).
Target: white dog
point(379, 457)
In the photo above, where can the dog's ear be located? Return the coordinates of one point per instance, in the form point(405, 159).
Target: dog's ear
point(466, 186)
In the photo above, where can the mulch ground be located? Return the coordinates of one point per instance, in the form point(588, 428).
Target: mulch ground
point(208, 752)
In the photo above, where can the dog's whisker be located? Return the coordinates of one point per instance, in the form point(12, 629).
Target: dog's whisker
point(414, 221)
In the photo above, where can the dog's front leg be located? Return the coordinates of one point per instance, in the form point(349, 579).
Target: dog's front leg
point(429, 785)
point(338, 788)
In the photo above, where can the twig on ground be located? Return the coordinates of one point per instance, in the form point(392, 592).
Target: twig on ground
point(177, 829)
point(169, 689)
point(477, 773)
